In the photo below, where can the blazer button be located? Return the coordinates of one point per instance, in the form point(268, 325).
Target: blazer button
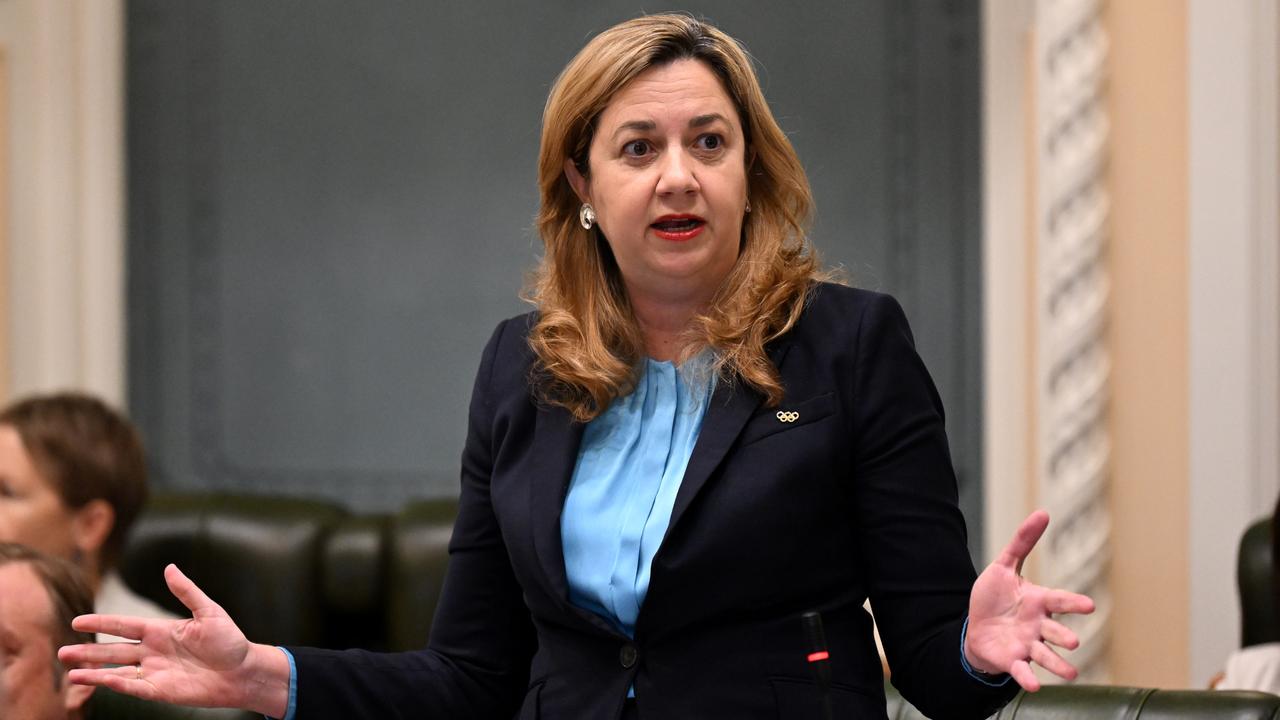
point(628, 655)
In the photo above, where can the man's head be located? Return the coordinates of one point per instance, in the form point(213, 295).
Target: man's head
point(39, 596)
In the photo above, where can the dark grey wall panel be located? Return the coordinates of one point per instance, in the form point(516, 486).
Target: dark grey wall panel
point(331, 205)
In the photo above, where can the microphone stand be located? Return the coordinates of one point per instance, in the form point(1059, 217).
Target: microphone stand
point(819, 659)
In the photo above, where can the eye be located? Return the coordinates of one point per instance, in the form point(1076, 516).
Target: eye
point(6, 489)
point(710, 141)
point(636, 148)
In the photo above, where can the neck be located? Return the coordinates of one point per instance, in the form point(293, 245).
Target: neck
point(92, 571)
point(663, 323)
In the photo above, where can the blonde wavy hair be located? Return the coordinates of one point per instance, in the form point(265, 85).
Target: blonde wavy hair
point(586, 338)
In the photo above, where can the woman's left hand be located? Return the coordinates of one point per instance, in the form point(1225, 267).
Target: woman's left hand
point(1011, 620)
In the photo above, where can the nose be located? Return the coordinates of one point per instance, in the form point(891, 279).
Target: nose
point(676, 174)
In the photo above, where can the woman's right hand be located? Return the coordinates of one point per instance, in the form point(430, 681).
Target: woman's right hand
point(204, 661)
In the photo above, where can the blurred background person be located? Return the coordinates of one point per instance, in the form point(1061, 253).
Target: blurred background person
point(38, 597)
point(1257, 667)
point(72, 480)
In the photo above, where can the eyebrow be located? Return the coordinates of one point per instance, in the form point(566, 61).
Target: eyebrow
point(639, 125)
point(647, 125)
point(705, 120)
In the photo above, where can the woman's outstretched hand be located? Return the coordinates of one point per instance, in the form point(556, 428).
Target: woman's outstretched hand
point(1011, 620)
point(204, 661)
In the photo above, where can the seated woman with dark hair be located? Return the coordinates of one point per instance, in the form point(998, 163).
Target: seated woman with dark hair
point(72, 480)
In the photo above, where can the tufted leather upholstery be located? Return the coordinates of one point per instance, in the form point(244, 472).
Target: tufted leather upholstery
point(299, 572)
point(291, 572)
point(1109, 702)
point(1259, 619)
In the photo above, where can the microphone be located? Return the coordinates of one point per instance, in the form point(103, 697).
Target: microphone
point(819, 659)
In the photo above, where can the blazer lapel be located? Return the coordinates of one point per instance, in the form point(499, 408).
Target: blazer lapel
point(556, 441)
point(731, 406)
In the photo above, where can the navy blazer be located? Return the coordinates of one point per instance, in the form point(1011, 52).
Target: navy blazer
point(853, 499)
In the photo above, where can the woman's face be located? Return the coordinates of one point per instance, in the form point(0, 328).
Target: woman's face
point(31, 511)
point(668, 182)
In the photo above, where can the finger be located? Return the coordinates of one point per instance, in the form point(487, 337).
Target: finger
point(122, 680)
point(1055, 632)
point(106, 653)
point(1026, 537)
point(1049, 660)
point(1022, 674)
point(186, 591)
point(90, 676)
point(1062, 601)
point(123, 626)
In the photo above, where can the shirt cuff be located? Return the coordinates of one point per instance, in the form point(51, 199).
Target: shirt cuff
point(990, 680)
point(291, 708)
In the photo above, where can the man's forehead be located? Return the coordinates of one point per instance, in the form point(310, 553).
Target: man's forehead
point(24, 602)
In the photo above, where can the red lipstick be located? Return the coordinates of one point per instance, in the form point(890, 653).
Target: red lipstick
point(678, 228)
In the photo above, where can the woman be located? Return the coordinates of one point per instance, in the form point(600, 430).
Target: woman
point(688, 446)
point(72, 479)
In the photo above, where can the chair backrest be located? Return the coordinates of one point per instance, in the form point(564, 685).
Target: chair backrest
point(298, 572)
point(1056, 702)
point(1255, 578)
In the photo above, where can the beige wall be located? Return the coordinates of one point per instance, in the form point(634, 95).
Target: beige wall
point(1148, 335)
point(1234, 292)
point(4, 227)
point(64, 288)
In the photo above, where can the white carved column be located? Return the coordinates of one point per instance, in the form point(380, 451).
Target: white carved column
point(1072, 364)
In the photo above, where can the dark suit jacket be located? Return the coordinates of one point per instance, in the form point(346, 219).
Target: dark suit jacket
point(853, 499)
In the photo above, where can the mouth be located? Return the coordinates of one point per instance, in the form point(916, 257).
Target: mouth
point(678, 227)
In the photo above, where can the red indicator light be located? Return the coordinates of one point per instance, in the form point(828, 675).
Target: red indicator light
point(815, 657)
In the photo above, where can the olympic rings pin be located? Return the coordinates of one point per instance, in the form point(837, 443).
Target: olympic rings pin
point(788, 416)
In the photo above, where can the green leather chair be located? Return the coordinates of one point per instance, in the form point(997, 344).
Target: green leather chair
point(298, 572)
point(1109, 702)
point(291, 572)
point(1255, 577)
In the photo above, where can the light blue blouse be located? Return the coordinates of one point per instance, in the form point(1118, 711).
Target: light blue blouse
point(630, 464)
